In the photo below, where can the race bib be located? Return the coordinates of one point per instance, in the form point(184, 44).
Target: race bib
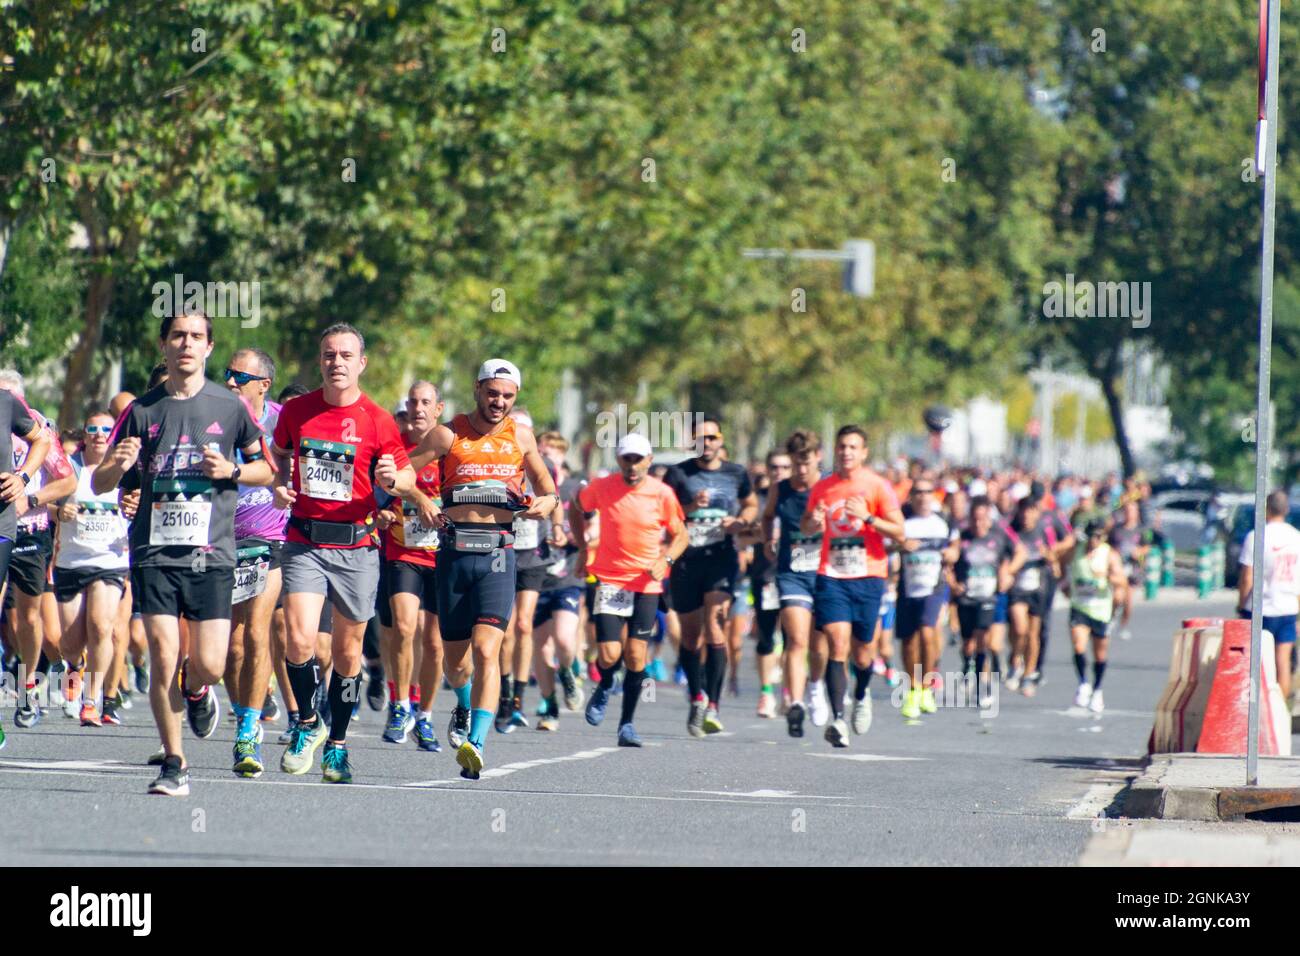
point(923, 569)
point(612, 599)
point(559, 569)
point(414, 534)
point(848, 558)
point(98, 524)
point(771, 597)
point(528, 534)
point(804, 557)
point(182, 512)
point(1029, 579)
point(325, 469)
point(251, 573)
point(704, 528)
point(981, 582)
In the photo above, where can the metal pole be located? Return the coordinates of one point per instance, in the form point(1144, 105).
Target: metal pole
point(1262, 423)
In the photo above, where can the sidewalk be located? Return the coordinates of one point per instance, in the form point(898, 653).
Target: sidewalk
point(1160, 843)
point(1211, 787)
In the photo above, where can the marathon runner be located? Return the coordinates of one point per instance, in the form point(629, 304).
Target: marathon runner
point(90, 571)
point(635, 511)
point(719, 503)
point(33, 551)
point(411, 553)
point(1281, 583)
point(1132, 541)
point(855, 510)
point(259, 543)
point(1096, 576)
point(1025, 599)
point(923, 596)
point(176, 443)
point(763, 588)
point(1062, 552)
point(332, 446)
point(485, 457)
point(796, 557)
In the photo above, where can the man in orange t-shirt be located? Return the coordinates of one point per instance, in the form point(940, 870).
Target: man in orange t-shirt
point(630, 566)
point(854, 510)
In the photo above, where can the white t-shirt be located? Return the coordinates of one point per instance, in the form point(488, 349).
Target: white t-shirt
point(97, 536)
point(923, 569)
point(1281, 570)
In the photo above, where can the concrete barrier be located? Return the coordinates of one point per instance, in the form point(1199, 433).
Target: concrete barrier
point(1192, 662)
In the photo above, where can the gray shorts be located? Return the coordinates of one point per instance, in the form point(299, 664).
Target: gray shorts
point(349, 577)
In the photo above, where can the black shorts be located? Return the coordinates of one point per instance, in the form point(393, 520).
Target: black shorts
point(181, 592)
point(530, 579)
point(69, 582)
point(1095, 627)
point(714, 568)
point(640, 625)
point(1032, 598)
point(29, 563)
point(475, 588)
point(975, 617)
point(406, 577)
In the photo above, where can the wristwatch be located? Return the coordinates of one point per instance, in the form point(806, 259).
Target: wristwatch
point(871, 520)
point(234, 475)
point(32, 503)
point(668, 560)
point(27, 479)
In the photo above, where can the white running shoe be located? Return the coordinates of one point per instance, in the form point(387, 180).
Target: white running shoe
point(1013, 679)
point(1125, 634)
point(1082, 695)
point(766, 705)
point(861, 716)
point(818, 706)
point(1096, 705)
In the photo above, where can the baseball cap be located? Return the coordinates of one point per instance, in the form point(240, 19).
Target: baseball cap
point(977, 487)
point(400, 407)
point(1019, 490)
point(634, 444)
point(500, 368)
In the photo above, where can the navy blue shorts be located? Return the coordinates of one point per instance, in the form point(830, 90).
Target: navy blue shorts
point(916, 613)
point(1282, 628)
point(560, 599)
point(856, 600)
point(1000, 608)
point(474, 588)
point(796, 588)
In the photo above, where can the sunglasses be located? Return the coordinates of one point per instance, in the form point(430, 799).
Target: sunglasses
point(243, 378)
point(922, 491)
point(99, 429)
point(632, 459)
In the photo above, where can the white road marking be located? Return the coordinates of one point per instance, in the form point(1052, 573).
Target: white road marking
point(770, 794)
point(864, 757)
point(66, 764)
point(1081, 713)
point(509, 768)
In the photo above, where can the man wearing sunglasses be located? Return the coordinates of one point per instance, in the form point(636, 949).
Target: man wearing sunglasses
point(635, 510)
point(259, 540)
point(719, 503)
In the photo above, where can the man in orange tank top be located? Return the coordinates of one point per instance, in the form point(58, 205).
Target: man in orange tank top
point(485, 457)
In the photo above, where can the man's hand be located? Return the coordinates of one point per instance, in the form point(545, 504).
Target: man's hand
point(386, 472)
point(911, 544)
point(659, 569)
point(385, 518)
point(285, 497)
point(126, 453)
point(11, 488)
point(128, 502)
point(430, 514)
point(857, 508)
point(558, 538)
point(21, 504)
point(541, 507)
point(819, 516)
point(68, 512)
point(957, 589)
point(215, 465)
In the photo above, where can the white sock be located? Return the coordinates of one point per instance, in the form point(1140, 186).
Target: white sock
point(426, 714)
point(404, 703)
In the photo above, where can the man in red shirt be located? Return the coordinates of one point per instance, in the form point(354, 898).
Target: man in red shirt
point(630, 568)
point(854, 510)
point(339, 444)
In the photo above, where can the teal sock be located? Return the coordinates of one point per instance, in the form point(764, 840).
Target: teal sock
point(462, 694)
point(479, 722)
point(248, 718)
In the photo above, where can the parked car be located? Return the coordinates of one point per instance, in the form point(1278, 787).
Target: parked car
point(1243, 520)
point(1188, 517)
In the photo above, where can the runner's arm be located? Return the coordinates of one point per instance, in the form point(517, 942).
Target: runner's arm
point(538, 475)
point(431, 448)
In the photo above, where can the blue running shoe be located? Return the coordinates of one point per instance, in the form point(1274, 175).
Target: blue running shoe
point(679, 676)
point(596, 706)
point(425, 737)
point(627, 736)
point(334, 764)
point(656, 671)
point(399, 722)
point(248, 757)
point(517, 718)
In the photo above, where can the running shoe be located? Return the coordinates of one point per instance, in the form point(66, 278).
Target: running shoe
point(861, 716)
point(679, 676)
point(627, 736)
point(425, 738)
point(911, 708)
point(270, 708)
point(1083, 695)
point(203, 711)
point(572, 692)
point(458, 726)
point(596, 705)
point(929, 704)
point(794, 719)
point(657, 671)
point(712, 724)
point(837, 733)
point(818, 704)
point(695, 722)
point(1014, 678)
point(400, 721)
point(286, 735)
point(470, 759)
point(124, 698)
point(767, 705)
point(1125, 634)
point(1029, 686)
point(141, 678)
point(1097, 704)
point(89, 715)
point(593, 672)
point(248, 757)
point(936, 684)
point(502, 721)
point(111, 714)
point(517, 718)
point(891, 677)
point(72, 707)
point(173, 780)
point(878, 666)
point(304, 740)
point(548, 722)
point(28, 715)
point(157, 757)
point(334, 764)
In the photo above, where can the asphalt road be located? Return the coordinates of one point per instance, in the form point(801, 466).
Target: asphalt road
point(1021, 787)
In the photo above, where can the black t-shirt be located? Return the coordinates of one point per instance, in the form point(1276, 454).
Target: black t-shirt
point(978, 562)
point(727, 486)
point(182, 513)
point(15, 419)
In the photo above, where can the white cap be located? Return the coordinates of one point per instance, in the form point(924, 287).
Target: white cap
point(400, 407)
point(500, 368)
point(634, 444)
point(977, 487)
point(1085, 491)
point(1019, 490)
point(950, 486)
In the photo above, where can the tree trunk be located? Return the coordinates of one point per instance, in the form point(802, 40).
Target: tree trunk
point(76, 385)
point(1109, 382)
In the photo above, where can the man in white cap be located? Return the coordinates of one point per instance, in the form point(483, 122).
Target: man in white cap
point(485, 457)
point(630, 566)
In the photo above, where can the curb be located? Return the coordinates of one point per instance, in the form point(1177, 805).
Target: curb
point(1150, 796)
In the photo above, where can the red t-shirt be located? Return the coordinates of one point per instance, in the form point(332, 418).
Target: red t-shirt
point(633, 521)
point(422, 548)
point(850, 547)
point(334, 449)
